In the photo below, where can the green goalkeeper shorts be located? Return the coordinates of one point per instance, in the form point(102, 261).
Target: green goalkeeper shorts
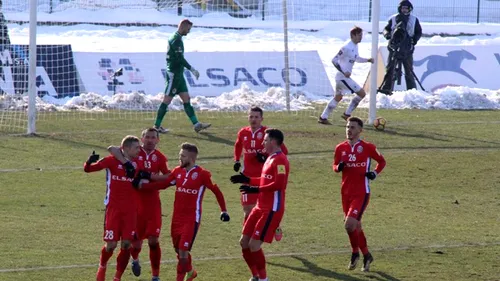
point(176, 83)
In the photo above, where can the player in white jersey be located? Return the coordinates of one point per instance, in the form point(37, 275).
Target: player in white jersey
point(344, 62)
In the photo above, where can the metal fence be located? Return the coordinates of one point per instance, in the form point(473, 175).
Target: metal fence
point(469, 11)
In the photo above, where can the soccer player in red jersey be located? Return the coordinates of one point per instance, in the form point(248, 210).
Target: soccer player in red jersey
point(191, 181)
point(121, 205)
point(265, 218)
point(250, 142)
point(149, 210)
point(353, 159)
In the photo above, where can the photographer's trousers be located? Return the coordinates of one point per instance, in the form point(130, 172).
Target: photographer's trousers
point(390, 77)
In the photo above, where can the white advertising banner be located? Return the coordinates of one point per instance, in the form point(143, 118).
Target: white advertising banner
point(440, 66)
point(220, 72)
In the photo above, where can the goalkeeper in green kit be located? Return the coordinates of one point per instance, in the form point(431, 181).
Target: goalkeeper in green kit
point(176, 84)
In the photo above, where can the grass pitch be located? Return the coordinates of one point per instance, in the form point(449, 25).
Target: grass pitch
point(434, 212)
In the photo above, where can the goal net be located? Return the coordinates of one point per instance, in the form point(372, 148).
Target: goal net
point(105, 59)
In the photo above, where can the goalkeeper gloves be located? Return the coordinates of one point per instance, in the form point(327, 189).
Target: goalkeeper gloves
point(224, 216)
point(92, 158)
point(371, 175)
point(249, 189)
point(261, 157)
point(195, 72)
point(340, 166)
point(241, 178)
point(129, 169)
point(237, 166)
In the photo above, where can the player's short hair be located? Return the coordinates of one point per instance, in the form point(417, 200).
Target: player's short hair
point(276, 135)
point(189, 147)
point(185, 22)
point(356, 30)
point(152, 129)
point(127, 141)
point(257, 109)
point(355, 119)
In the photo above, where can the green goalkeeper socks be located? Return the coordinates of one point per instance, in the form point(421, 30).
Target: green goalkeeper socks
point(161, 113)
point(188, 108)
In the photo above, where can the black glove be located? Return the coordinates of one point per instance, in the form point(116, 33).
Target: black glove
point(136, 182)
point(144, 175)
point(129, 169)
point(249, 189)
point(93, 158)
point(261, 157)
point(371, 175)
point(237, 166)
point(340, 166)
point(241, 178)
point(224, 217)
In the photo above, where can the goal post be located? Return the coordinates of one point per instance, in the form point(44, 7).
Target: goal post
point(272, 53)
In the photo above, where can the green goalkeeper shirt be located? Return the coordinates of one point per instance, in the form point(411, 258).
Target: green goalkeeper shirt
point(175, 54)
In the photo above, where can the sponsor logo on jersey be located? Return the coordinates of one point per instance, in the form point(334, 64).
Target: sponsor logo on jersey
point(246, 151)
point(355, 165)
point(281, 169)
point(121, 178)
point(269, 177)
point(187, 190)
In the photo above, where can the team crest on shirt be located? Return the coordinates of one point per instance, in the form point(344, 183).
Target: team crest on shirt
point(245, 138)
point(120, 167)
point(360, 149)
point(259, 135)
point(194, 175)
point(141, 158)
point(154, 158)
point(179, 176)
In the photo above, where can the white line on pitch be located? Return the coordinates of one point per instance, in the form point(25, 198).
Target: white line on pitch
point(318, 253)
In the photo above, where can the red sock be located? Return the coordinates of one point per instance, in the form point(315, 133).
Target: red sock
point(179, 266)
point(155, 258)
point(247, 255)
point(135, 250)
point(105, 256)
point(354, 239)
point(189, 265)
point(363, 246)
point(122, 262)
point(260, 263)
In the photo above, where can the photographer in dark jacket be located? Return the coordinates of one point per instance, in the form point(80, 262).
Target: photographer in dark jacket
point(403, 32)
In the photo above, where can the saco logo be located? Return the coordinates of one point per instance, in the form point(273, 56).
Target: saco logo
point(451, 62)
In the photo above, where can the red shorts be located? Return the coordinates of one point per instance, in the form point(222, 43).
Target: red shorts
point(355, 205)
point(149, 224)
point(119, 224)
point(261, 225)
point(249, 198)
point(183, 234)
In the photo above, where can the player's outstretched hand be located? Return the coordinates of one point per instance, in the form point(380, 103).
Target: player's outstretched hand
point(240, 178)
point(93, 158)
point(129, 169)
point(237, 166)
point(371, 175)
point(249, 189)
point(341, 166)
point(224, 216)
point(261, 157)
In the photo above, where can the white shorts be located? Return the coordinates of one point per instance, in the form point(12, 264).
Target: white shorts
point(346, 85)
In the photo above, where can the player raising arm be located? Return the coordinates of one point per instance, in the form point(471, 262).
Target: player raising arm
point(344, 61)
point(190, 181)
point(121, 206)
point(250, 142)
point(149, 219)
point(266, 216)
point(353, 158)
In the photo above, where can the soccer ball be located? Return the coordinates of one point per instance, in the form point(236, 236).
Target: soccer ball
point(379, 124)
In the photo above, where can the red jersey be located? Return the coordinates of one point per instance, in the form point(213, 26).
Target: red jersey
point(155, 163)
point(190, 188)
point(250, 143)
point(357, 160)
point(120, 193)
point(272, 183)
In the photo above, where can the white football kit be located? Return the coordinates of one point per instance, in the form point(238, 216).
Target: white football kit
point(344, 61)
